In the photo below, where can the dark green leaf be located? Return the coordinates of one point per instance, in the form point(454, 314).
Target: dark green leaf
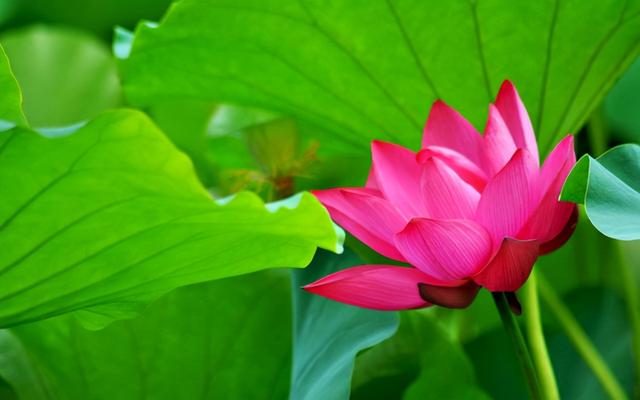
point(622, 105)
point(18, 372)
point(421, 360)
point(603, 315)
point(96, 16)
point(229, 339)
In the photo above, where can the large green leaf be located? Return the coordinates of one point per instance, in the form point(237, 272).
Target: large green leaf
point(327, 64)
point(114, 212)
point(328, 335)
point(609, 188)
point(11, 98)
point(229, 339)
point(445, 371)
point(65, 75)
point(420, 362)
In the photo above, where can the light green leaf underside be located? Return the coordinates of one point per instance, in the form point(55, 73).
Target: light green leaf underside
point(328, 335)
point(11, 98)
point(114, 213)
point(609, 188)
point(216, 340)
point(364, 70)
point(65, 75)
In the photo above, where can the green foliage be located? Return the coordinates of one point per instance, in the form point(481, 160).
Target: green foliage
point(421, 360)
point(103, 217)
point(328, 335)
point(191, 344)
point(601, 313)
point(57, 92)
point(96, 16)
point(185, 123)
point(314, 60)
point(622, 105)
point(609, 188)
point(114, 212)
point(10, 95)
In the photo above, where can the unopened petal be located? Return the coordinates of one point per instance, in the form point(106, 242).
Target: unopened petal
point(397, 174)
point(516, 118)
point(445, 249)
point(506, 200)
point(465, 168)
point(447, 128)
point(378, 287)
point(447, 195)
point(498, 143)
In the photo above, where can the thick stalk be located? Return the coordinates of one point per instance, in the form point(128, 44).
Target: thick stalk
point(598, 132)
point(537, 344)
point(581, 342)
point(522, 352)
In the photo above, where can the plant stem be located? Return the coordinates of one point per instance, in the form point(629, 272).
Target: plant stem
point(630, 292)
point(537, 344)
point(581, 342)
point(598, 132)
point(513, 330)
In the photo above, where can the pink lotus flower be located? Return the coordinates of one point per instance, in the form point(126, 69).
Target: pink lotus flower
point(466, 211)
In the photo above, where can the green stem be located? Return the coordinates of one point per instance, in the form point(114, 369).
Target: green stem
point(598, 132)
point(581, 342)
point(633, 305)
point(513, 330)
point(537, 344)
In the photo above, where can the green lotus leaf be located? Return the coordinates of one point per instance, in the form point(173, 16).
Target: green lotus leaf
point(112, 216)
point(351, 81)
point(609, 188)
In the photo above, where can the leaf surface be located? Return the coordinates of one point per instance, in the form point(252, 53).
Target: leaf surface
point(204, 341)
point(421, 361)
point(322, 63)
point(113, 215)
point(609, 188)
point(328, 335)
